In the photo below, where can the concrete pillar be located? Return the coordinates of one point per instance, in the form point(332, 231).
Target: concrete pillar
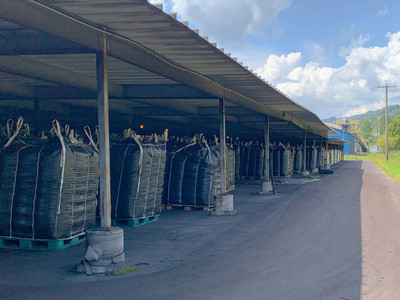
point(266, 186)
point(222, 138)
point(104, 140)
point(305, 172)
point(105, 245)
point(224, 203)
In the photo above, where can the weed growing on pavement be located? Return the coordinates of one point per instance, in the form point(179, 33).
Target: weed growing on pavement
point(127, 270)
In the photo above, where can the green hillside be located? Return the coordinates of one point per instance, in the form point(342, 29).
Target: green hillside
point(372, 125)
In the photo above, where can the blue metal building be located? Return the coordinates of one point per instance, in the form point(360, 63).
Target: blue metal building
point(348, 139)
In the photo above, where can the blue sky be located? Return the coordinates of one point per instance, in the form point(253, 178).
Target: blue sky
point(327, 55)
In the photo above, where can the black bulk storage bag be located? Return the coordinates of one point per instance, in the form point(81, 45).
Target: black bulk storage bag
point(137, 177)
point(193, 176)
point(54, 188)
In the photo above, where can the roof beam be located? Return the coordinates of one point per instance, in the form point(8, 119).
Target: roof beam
point(230, 110)
point(31, 42)
point(10, 88)
point(164, 91)
point(19, 65)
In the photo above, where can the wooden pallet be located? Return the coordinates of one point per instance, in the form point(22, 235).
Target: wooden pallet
point(230, 189)
point(189, 208)
point(31, 244)
point(135, 222)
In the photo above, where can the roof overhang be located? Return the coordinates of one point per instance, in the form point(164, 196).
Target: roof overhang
point(156, 61)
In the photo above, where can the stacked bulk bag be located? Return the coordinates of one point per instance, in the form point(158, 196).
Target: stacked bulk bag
point(276, 162)
point(308, 158)
point(252, 160)
point(314, 158)
point(174, 144)
point(244, 159)
point(285, 161)
point(321, 157)
point(230, 167)
point(271, 161)
point(48, 186)
point(194, 175)
point(137, 176)
point(230, 158)
point(298, 159)
point(237, 151)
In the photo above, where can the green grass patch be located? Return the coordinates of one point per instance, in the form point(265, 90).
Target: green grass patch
point(127, 270)
point(312, 177)
point(390, 168)
point(358, 156)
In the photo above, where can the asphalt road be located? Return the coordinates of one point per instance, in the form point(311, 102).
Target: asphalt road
point(336, 238)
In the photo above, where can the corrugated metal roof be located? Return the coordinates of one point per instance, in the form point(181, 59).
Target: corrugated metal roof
point(170, 41)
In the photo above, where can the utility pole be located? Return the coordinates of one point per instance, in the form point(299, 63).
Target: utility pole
point(386, 86)
point(379, 125)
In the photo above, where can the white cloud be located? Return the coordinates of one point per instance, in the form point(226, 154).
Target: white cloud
point(229, 21)
point(277, 68)
point(355, 43)
point(343, 90)
point(365, 108)
point(383, 12)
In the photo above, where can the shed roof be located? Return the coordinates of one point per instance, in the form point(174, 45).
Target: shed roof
point(156, 60)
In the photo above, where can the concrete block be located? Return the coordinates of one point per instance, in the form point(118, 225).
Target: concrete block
point(315, 170)
point(305, 173)
point(105, 251)
point(224, 206)
point(266, 188)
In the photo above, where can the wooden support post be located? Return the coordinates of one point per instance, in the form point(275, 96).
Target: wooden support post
point(104, 141)
point(305, 151)
point(222, 138)
point(266, 143)
point(321, 162)
point(327, 152)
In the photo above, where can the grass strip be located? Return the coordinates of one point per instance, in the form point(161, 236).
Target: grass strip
point(390, 168)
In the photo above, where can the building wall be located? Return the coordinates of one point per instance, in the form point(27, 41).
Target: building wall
point(349, 147)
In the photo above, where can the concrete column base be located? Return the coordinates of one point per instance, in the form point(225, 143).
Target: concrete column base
point(327, 166)
point(224, 206)
point(315, 170)
point(305, 173)
point(266, 188)
point(104, 251)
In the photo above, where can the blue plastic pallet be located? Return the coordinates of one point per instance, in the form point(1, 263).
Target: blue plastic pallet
point(30, 244)
point(135, 222)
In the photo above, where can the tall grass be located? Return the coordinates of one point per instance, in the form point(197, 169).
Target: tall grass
point(391, 167)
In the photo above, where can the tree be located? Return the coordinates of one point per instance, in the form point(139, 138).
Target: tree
point(366, 129)
point(394, 143)
point(394, 128)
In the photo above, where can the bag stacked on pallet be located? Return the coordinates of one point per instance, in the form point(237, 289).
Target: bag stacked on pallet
point(286, 164)
point(137, 176)
point(48, 186)
point(194, 175)
point(314, 158)
point(298, 159)
point(230, 157)
point(230, 167)
point(252, 160)
point(237, 151)
point(173, 145)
